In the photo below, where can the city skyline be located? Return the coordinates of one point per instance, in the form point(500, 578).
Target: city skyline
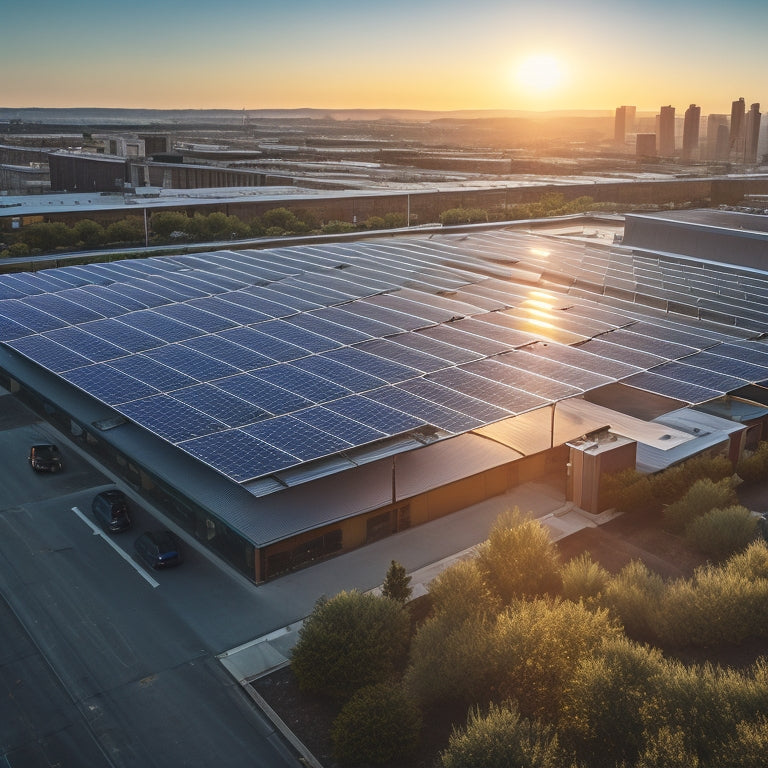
point(490, 55)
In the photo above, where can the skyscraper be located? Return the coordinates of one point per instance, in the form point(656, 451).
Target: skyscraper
point(736, 135)
point(752, 134)
point(666, 131)
point(717, 138)
point(624, 124)
point(691, 132)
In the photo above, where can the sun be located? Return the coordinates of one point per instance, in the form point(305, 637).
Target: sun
point(539, 74)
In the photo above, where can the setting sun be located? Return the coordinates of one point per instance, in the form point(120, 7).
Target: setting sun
point(539, 74)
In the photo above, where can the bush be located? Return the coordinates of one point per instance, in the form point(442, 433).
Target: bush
point(397, 584)
point(627, 491)
point(337, 227)
point(700, 498)
point(127, 230)
point(165, 223)
point(747, 747)
point(753, 467)
point(721, 532)
point(460, 592)
point(280, 219)
point(350, 641)
point(89, 233)
point(600, 719)
point(501, 738)
point(752, 563)
point(44, 236)
point(674, 482)
point(633, 597)
point(519, 558)
point(583, 579)
point(377, 725)
point(667, 749)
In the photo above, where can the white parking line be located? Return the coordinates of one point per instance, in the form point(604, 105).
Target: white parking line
point(98, 532)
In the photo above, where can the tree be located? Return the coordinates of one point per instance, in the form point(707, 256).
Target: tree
point(377, 725)
point(127, 230)
point(397, 585)
point(165, 223)
point(350, 641)
point(460, 592)
point(519, 559)
point(90, 233)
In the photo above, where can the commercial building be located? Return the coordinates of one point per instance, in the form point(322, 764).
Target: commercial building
point(624, 123)
point(717, 138)
point(752, 134)
point(666, 132)
point(691, 125)
point(737, 131)
point(287, 404)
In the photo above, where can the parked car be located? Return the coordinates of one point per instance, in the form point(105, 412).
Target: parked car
point(111, 509)
point(45, 457)
point(159, 549)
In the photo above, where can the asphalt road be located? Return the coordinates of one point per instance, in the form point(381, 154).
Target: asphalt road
point(103, 662)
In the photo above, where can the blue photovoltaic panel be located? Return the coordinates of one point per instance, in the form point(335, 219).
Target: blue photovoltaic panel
point(151, 372)
point(431, 413)
point(8, 290)
point(314, 388)
point(70, 276)
point(351, 378)
point(673, 336)
point(384, 315)
point(605, 350)
point(196, 318)
point(236, 313)
point(25, 283)
point(235, 354)
point(232, 411)
point(342, 334)
point(664, 349)
point(581, 358)
point(122, 335)
point(748, 351)
point(388, 370)
point(238, 455)
point(98, 304)
point(22, 313)
point(297, 438)
point(170, 419)
point(67, 311)
point(353, 432)
point(551, 369)
point(374, 414)
point(163, 288)
point(147, 298)
point(413, 358)
point(426, 314)
point(199, 284)
point(678, 390)
point(500, 327)
point(482, 345)
point(95, 349)
point(298, 304)
point(514, 400)
point(544, 387)
point(309, 299)
point(195, 364)
point(456, 401)
point(11, 330)
point(164, 328)
point(260, 304)
point(701, 377)
point(714, 361)
point(439, 349)
point(372, 328)
point(128, 303)
point(274, 400)
point(287, 331)
point(48, 353)
point(108, 385)
point(264, 344)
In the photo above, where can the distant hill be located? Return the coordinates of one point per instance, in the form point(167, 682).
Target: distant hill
point(102, 116)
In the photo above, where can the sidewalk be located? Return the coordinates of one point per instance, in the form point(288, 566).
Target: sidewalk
point(424, 551)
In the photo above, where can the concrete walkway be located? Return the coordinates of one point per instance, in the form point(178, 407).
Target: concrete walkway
point(424, 551)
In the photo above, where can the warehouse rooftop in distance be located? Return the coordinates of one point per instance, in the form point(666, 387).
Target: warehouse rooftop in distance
point(288, 403)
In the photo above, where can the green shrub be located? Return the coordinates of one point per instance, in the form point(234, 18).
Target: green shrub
point(600, 719)
point(627, 491)
point(281, 219)
point(753, 466)
point(378, 725)
point(165, 223)
point(674, 482)
point(501, 738)
point(450, 662)
point(397, 584)
point(538, 646)
point(583, 579)
point(460, 592)
point(89, 233)
point(633, 596)
point(722, 532)
point(519, 558)
point(667, 749)
point(337, 227)
point(747, 747)
point(752, 563)
point(350, 641)
point(127, 230)
point(701, 497)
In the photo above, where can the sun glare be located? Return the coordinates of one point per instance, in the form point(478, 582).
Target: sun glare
point(539, 74)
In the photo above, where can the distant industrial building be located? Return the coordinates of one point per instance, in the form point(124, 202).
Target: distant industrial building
point(288, 404)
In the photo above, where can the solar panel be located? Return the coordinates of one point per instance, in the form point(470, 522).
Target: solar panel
point(23, 314)
point(455, 400)
point(375, 414)
point(713, 361)
point(436, 348)
point(260, 304)
point(152, 372)
point(297, 438)
point(240, 357)
point(627, 355)
point(238, 455)
point(642, 343)
point(384, 315)
point(678, 390)
point(107, 384)
point(388, 370)
point(65, 310)
point(578, 357)
point(272, 399)
point(511, 376)
point(366, 325)
point(413, 358)
point(12, 330)
point(48, 353)
point(327, 329)
point(128, 303)
point(452, 335)
point(235, 313)
point(194, 364)
point(551, 369)
point(350, 378)
point(170, 419)
point(701, 377)
point(349, 430)
point(121, 335)
point(287, 331)
point(196, 317)
point(314, 388)
point(93, 348)
point(269, 346)
point(228, 409)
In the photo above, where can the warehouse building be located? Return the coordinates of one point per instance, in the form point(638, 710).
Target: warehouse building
point(288, 404)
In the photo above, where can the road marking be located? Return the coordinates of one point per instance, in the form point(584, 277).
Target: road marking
point(128, 559)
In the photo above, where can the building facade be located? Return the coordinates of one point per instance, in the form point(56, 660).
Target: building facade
point(666, 132)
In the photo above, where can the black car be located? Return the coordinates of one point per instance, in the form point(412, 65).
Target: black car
point(159, 549)
point(45, 457)
point(110, 508)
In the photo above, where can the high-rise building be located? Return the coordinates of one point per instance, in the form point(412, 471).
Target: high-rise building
point(645, 145)
point(736, 135)
point(752, 134)
point(717, 138)
point(691, 132)
point(666, 132)
point(624, 124)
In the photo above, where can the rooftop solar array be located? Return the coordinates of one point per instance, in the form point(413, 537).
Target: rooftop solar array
point(255, 362)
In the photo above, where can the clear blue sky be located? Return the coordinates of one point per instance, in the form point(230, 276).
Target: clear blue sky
point(428, 54)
